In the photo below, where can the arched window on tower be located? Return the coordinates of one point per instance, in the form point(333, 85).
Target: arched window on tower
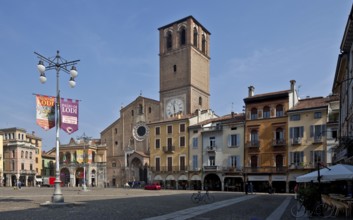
point(182, 36)
point(203, 44)
point(195, 37)
point(140, 109)
point(200, 100)
point(169, 40)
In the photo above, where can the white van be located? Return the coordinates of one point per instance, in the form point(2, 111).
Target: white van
point(39, 181)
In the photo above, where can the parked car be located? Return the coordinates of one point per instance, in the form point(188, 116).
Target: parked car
point(153, 186)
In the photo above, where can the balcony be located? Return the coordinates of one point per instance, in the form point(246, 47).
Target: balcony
point(231, 169)
point(318, 140)
point(253, 144)
point(211, 149)
point(278, 142)
point(296, 141)
point(212, 128)
point(265, 169)
point(210, 168)
point(169, 149)
point(28, 172)
point(302, 165)
point(169, 169)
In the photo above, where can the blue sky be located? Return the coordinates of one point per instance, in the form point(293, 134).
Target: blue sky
point(253, 42)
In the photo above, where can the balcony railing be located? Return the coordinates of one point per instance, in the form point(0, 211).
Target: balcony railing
point(211, 167)
point(212, 128)
point(211, 149)
point(296, 141)
point(253, 144)
point(265, 169)
point(27, 172)
point(168, 149)
point(163, 169)
point(302, 165)
point(228, 169)
point(317, 139)
point(278, 142)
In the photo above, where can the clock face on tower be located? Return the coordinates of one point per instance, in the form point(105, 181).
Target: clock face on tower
point(174, 106)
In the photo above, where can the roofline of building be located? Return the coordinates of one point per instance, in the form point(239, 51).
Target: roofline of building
point(184, 19)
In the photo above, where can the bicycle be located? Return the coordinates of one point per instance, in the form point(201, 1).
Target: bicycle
point(205, 197)
point(319, 209)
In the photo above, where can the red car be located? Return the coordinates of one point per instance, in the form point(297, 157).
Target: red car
point(153, 186)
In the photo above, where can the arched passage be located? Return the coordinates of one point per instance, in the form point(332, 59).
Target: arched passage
point(212, 182)
point(79, 176)
point(65, 176)
point(138, 172)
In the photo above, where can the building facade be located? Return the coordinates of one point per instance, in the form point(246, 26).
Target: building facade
point(266, 139)
point(1, 159)
point(170, 159)
point(343, 88)
point(48, 165)
point(308, 135)
point(169, 153)
point(22, 156)
point(81, 160)
point(222, 150)
point(127, 144)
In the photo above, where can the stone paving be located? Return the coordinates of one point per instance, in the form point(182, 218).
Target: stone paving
point(117, 203)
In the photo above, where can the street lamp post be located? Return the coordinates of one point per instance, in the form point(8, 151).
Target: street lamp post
point(85, 140)
point(57, 63)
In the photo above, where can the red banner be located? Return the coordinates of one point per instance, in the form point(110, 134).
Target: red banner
point(45, 111)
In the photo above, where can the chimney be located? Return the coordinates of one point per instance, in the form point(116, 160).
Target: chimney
point(251, 91)
point(292, 85)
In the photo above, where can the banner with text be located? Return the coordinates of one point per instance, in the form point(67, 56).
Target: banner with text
point(69, 115)
point(79, 156)
point(45, 111)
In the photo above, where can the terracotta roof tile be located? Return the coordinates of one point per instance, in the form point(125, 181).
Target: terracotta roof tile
point(308, 103)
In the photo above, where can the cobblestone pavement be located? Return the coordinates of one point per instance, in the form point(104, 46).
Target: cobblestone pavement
point(117, 203)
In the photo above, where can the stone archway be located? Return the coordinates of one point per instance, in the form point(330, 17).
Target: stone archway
point(212, 182)
point(65, 176)
point(79, 176)
point(136, 170)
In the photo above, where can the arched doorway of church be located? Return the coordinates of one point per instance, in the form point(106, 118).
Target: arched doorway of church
point(137, 172)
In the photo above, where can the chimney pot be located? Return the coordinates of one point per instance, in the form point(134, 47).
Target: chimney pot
point(251, 91)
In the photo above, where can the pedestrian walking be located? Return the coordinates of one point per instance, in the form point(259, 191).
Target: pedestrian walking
point(251, 188)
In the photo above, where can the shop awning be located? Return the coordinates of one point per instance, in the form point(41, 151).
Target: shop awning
point(196, 177)
point(182, 177)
